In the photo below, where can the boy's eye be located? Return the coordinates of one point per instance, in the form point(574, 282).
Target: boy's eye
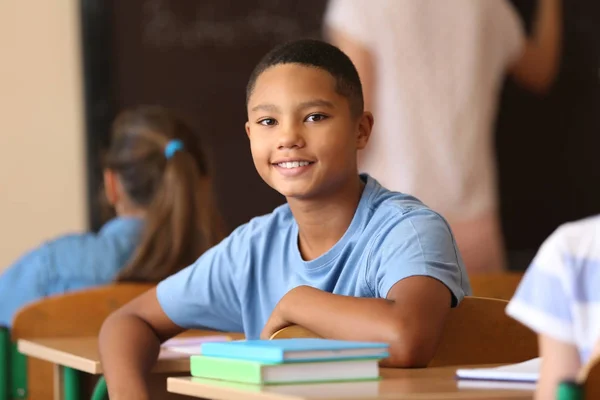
point(316, 117)
point(267, 122)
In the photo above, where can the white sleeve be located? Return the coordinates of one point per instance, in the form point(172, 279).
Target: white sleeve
point(544, 300)
point(352, 17)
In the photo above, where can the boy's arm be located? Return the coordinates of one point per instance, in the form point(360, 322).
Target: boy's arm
point(202, 294)
point(129, 345)
point(413, 273)
point(560, 362)
point(538, 65)
point(410, 319)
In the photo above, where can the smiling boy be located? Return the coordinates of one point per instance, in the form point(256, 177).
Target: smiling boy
point(345, 257)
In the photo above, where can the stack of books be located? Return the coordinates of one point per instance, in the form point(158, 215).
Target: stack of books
point(288, 361)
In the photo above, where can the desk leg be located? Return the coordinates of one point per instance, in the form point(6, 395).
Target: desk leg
point(66, 383)
point(59, 388)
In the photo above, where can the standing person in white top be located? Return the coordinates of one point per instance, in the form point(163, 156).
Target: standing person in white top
point(431, 73)
point(559, 299)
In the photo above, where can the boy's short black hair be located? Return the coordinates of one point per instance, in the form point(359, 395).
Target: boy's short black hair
point(318, 54)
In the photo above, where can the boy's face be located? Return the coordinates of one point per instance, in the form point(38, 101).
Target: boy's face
point(302, 134)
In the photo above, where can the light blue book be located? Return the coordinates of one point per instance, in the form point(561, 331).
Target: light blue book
point(295, 350)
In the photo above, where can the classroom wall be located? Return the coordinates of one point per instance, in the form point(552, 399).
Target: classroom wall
point(42, 191)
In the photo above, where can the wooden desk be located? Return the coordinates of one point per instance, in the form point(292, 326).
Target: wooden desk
point(396, 384)
point(81, 354)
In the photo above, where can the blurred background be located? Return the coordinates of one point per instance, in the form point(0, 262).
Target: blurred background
point(69, 66)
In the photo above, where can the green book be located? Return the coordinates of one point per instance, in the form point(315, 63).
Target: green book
point(245, 371)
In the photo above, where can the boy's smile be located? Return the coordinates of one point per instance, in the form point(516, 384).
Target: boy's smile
point(292, 167)
point(302, 134)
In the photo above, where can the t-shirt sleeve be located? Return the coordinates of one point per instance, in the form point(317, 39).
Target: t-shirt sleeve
point(421, 244)
point(351, 17)
point(542, 300)
point(204, 294)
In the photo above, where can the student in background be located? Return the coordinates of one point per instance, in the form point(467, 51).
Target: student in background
point(157, 181)
point(432, 71)
point(559, 299)
point(345, 257)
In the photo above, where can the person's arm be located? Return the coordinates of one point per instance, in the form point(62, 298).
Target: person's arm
point(201, 295)
point(414, 275)
point(410, 319)
point(543, 302)
point(538, 64)
point(560, 362)
point(130, 342)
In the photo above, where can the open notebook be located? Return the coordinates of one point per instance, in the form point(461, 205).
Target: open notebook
point(527, 371)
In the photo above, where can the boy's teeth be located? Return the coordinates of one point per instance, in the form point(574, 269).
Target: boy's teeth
point(293, 164)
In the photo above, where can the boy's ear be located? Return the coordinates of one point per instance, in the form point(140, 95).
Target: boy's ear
point(111, 189)
point(247, 126)
point(365, 127)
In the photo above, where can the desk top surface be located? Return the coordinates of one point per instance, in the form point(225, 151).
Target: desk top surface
point(81, 353)
point(427, 383)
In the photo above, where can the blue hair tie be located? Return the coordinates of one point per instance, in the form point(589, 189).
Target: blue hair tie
point(172, 147)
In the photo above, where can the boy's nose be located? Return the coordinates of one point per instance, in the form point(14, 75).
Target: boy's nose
point(290, 137)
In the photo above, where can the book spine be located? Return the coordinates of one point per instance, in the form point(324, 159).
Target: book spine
point(227, 370)
point(264, 355)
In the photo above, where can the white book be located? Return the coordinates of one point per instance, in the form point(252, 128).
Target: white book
point(495, 385)
point(528, 371)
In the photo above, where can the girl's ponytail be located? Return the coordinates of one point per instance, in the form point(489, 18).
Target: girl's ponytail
point(167, 175)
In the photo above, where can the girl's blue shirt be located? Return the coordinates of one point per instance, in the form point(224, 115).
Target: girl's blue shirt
point(68, 263)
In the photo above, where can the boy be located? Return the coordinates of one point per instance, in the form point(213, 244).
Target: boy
point(559, 299)
point(344, 257)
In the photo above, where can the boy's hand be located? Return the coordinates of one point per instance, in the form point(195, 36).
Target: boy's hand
point(278, 319)
point(276, 322)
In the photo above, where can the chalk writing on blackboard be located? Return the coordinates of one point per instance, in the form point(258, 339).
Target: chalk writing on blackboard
point(164, 28)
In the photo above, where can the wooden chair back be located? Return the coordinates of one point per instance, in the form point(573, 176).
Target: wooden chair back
point(293, 332)
point(79, 313)
point(501, 285)
point(477, 332)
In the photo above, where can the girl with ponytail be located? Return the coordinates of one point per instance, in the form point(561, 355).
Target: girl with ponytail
point(157, 181)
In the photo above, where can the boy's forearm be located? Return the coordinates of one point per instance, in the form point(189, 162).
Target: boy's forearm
point(128, 350)
point(340, 317)
point(350, 318)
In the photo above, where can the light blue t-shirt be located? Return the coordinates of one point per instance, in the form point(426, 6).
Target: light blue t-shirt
point(68, 263)
point(236, 284)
